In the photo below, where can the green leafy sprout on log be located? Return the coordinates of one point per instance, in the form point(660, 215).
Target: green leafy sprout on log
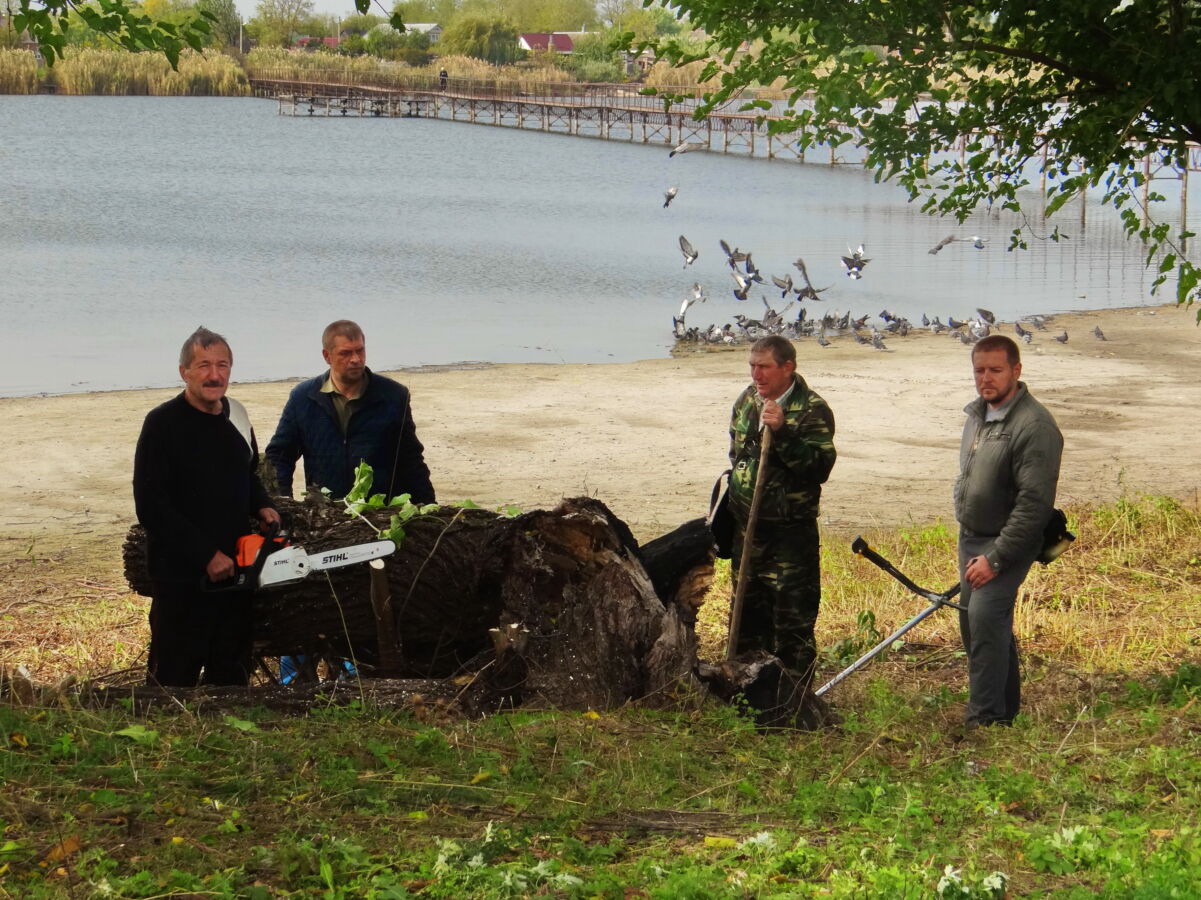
point(1092, 94)
point(402, 506)
point(48, 21)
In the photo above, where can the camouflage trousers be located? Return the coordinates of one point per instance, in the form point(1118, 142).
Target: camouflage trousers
point(783, 592)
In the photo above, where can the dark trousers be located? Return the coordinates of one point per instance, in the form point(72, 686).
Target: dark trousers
point(994, 670)
point(783, 593)
point(194, 631)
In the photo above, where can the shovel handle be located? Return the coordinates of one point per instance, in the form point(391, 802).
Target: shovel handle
point(748, 536)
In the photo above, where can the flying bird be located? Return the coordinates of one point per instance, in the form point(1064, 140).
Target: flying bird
point(975, 240)
point(808, 292)
point(877, 342)
point(696, 296)
point(744, 284)
point(690, 254)
point(752, 270)
point(854, 263)
point(669, 195)
point(733, 257)
point(987, 316)
point(784, 284)
point(687, 147)
point(949, 239)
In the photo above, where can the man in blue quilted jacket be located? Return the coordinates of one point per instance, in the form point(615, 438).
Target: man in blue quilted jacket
point(343, 417)
point(346, 416)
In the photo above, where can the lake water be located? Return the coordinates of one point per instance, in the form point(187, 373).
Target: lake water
point(128, 221)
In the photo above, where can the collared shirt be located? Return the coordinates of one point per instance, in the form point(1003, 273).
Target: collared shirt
point(344, 406)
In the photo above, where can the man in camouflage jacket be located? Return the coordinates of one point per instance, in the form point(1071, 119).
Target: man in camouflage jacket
point(783, 587)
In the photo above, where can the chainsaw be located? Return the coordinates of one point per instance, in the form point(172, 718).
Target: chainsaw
point(271, 561)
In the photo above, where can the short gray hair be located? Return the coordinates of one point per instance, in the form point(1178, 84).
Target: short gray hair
point(781, 349)
point(343, 328)
point(204, 339)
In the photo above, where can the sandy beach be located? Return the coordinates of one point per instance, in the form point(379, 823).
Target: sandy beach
point(648, 438)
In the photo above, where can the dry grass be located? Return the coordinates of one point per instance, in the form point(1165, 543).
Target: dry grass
point(18, 72)
point(1126, 597)
point(116, 72)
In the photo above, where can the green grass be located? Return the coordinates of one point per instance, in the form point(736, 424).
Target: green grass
point(1096, 790)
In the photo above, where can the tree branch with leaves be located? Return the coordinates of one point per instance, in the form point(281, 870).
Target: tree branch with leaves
point(1083, 93)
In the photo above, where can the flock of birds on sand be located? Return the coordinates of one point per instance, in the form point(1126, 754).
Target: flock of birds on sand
point(746, 277)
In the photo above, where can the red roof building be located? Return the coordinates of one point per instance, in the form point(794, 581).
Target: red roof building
point(541, 41)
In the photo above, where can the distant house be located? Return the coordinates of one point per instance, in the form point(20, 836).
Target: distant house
point(431, 30)
point(541, 41)
point(305, 42)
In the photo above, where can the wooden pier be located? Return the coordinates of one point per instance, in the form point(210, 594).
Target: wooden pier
point(618, 112)
point(609, 112)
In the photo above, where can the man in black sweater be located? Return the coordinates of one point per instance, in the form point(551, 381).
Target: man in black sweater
point(195, 489)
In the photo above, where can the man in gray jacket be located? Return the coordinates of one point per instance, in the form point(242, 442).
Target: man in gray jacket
point(1008, 470)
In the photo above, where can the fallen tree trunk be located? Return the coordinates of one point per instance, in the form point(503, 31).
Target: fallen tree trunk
point(551, 608)
point(570, 582)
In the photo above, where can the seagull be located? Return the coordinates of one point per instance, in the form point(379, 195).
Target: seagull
point(1100, 335)
point(854, 263)
point(784, 284)
point(978, 242)
point(808, 292)
point(690, 254)
point(987, 316)
point(1062, 338)
point(669, 195)
point(688, 147)
point(975, 240)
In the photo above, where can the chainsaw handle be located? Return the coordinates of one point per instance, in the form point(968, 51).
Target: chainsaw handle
point(246, 577)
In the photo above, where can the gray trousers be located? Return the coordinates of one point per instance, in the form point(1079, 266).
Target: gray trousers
point(994, 673)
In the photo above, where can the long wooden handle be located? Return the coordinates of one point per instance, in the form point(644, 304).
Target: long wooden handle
point(748, 536)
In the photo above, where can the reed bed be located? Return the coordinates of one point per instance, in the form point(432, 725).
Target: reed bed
point(94, 71)
point(18, 72)
point(373, 72)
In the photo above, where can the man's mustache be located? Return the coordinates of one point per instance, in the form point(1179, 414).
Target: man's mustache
point(214, 383)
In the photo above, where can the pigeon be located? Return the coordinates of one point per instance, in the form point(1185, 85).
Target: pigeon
point(690, 254)
point(808, 292)
point(688, 147)
point(854, 263)
point(877, 342)
point(987, 316)
point(925, 321)
point(1098, 333)
point(1062, 338)
point(821, 341)
point(744, 284)
point(857, 323)
point(1038, 322)
point(697, 296)
point(954, 323)
point(733, 257)
point(1020, 331)
point(784, 284)
point(669, 195)
point(752, 270)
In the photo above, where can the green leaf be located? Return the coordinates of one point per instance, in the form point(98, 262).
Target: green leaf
point(139, 734)
point(467, 504)
point(363, 476)
point(240, 724)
